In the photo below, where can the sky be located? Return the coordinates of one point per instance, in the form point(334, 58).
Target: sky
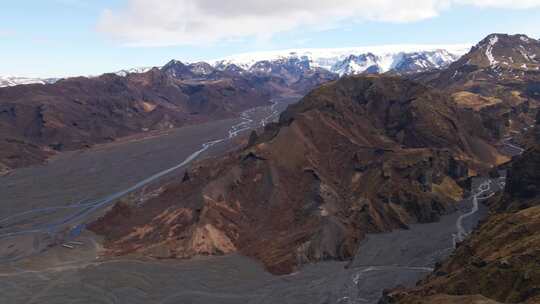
point(60, 38)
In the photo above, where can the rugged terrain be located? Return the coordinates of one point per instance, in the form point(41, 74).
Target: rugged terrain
point(499, 79)
point(501, 260)
point(37, 121)
point(359, 155)
point(343, 61)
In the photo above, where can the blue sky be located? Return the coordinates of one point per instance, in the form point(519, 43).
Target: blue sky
point(42, 38)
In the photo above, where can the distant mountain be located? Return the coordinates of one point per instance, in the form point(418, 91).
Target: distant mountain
point(9, 81)
point(349, 61)
point(77, 112)
point(125, 72)
point(403, 59)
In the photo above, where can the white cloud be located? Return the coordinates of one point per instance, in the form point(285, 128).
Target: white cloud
point(185, 22)
point(511, 4)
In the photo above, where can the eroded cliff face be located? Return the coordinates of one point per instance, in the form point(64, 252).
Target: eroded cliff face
point(360, 155)
point(501, 259)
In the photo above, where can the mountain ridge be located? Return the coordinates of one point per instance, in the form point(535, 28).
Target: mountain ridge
point(342, 61)
point(357, 60)
point(326, 57)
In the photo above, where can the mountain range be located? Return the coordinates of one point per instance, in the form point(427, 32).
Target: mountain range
point(342, 61)
point(41, 119)
point(37, 120)
point(9, 81)
point(350, 61)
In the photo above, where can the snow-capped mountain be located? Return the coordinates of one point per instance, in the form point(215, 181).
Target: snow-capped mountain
point(138, 70)
point(506, 58)
point(201, 68)
point(294, 63)
point(357, 64)
point(501, 51)
point(345, 61)
point(9, 81)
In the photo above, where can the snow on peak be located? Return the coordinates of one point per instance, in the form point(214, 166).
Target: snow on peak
point(201, 68)
point(9, 81)
point(489, 50)
point(125, 72)
point(357, 64)
point(354, 60)
point(524, 38)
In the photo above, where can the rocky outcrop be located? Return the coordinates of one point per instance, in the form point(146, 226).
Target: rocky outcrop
point(360, 155)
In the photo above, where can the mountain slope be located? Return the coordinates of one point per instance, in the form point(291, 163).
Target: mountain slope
point(38, 120)
point(497, 60)
point(499, 78)
point(359, 155)
point(501, 259)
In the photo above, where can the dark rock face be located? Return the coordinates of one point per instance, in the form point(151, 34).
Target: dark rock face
point(38, 120)
point(363, 154)
point(524, 183)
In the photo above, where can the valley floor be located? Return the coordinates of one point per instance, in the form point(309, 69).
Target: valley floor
point(44, 205)
point(383, 261)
